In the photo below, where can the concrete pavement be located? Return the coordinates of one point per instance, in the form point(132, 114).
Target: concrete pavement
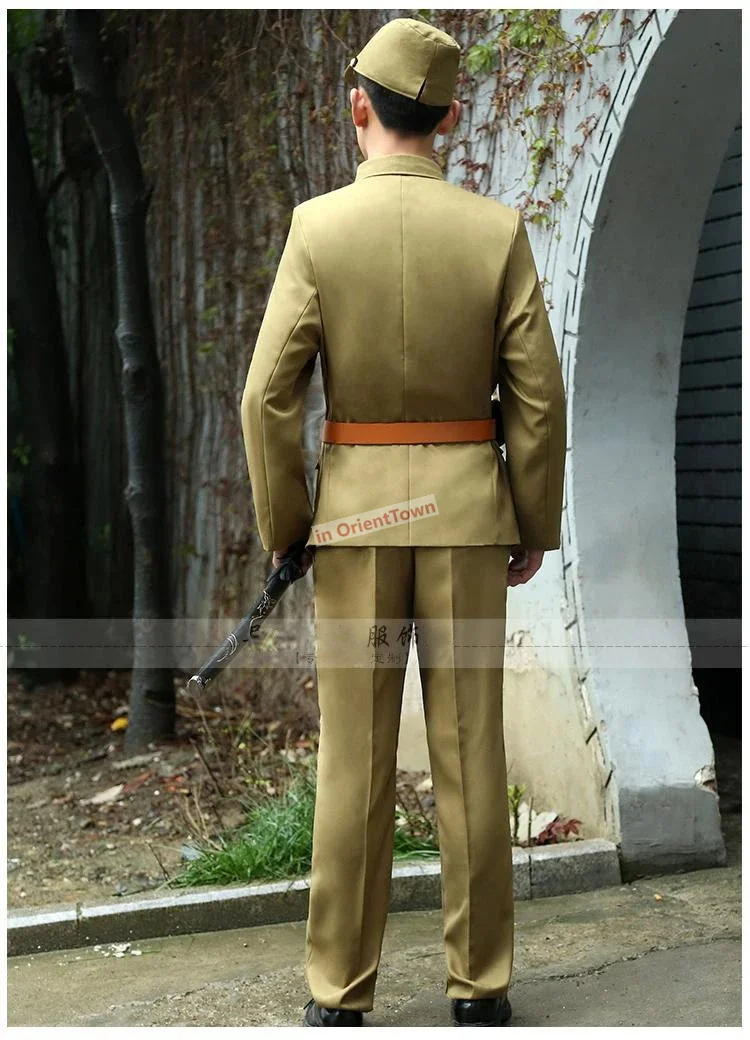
point(663, 951)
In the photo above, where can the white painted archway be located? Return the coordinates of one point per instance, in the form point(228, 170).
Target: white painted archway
point(650, 176)
point(623, 748)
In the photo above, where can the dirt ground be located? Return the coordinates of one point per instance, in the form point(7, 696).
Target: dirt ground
point(62, 751)
point(88, 822)
point(62, 846)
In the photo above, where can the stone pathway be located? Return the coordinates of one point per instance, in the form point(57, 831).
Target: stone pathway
point(665, 951)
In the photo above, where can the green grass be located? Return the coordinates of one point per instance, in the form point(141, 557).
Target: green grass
point(276, 841)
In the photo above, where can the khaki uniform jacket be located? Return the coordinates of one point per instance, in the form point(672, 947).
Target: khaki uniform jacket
point(420, 297)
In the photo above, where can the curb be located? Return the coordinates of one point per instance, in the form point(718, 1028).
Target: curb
point(540, 871)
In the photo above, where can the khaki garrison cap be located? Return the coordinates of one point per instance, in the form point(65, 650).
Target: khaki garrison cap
point(411, 58)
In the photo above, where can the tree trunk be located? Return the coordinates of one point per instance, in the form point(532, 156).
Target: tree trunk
point(50, 518)
point(152, 701)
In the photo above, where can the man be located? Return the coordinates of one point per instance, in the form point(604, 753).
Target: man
point(420, 297)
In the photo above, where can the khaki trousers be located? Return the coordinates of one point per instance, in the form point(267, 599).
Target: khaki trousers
point(381, 589)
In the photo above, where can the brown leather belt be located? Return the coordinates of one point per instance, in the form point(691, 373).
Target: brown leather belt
point(408, 432)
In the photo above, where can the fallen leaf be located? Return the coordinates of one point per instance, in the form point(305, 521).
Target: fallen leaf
point(138, 781)
point(136, 760)
point(103, 797)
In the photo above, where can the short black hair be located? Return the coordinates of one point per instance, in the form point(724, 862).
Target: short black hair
point(400, 113)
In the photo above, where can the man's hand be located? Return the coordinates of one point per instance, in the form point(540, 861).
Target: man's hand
point(524, 563)
point(306, 559)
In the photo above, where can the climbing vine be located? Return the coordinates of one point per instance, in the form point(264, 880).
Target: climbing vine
point(529, 67)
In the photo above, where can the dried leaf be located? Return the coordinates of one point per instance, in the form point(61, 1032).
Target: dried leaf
point(104, 797)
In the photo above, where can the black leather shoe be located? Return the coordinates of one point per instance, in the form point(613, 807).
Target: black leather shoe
point(492, 1011)
point(315, 1015)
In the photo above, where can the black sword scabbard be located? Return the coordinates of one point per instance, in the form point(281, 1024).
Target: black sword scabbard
point(278, 581)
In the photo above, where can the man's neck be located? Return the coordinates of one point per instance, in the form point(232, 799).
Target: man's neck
point(402, 146)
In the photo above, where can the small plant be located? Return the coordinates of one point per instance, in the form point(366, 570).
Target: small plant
point(515, 796)
point(276, 841)
point(414, 837)
point(539, 828)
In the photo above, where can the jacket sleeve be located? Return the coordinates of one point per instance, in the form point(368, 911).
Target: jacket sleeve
point(532, 398)
point(273, 399)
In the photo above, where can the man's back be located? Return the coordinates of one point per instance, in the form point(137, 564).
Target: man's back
point(409, 270)
point(425, 297)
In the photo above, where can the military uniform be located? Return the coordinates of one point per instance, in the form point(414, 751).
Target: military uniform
point(420, 298)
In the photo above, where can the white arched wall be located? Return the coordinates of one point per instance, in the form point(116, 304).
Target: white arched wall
point(618, 743)
point(632, 246)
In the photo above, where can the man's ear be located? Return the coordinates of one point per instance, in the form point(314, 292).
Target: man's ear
point(451, 119)
point(359, 109)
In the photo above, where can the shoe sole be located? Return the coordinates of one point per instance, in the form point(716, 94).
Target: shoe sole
point(313, 1024)
point(502, 1019)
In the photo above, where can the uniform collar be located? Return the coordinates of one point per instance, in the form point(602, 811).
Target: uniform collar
point(419, 165)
